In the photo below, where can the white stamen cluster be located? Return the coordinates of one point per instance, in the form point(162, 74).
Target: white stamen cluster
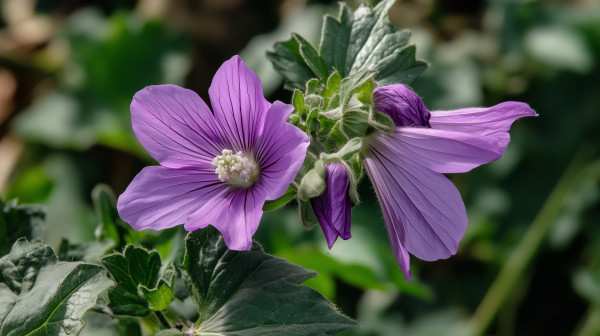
point(235, 169)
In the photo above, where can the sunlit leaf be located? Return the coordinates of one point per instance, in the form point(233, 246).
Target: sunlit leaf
point(61, 292)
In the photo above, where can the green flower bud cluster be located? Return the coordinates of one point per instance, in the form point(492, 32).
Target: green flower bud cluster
point(336, 115)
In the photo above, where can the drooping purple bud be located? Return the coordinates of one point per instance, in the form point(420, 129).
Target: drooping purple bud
point(401, 104)
point(333, 206)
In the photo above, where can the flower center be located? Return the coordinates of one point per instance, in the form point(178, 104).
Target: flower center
point(235, 169)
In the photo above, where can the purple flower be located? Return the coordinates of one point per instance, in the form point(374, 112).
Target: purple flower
point(423, 210)
point(216, 168)
point(333, 207)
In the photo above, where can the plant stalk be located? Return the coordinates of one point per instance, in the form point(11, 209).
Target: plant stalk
point(514, 268)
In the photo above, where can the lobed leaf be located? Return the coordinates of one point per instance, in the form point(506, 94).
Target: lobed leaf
point(141, 285)
point(352, 42)
point(61, 292)
point(247, 293)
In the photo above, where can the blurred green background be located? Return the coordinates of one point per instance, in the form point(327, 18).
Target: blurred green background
point(529, 263)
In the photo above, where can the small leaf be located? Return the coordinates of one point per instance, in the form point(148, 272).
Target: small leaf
point(288, 61)
point(160, 297)
point(289, 195)
point(136, 268)
point(17, 221)
point(298, 100)
point(250, 293)
point(42, 296)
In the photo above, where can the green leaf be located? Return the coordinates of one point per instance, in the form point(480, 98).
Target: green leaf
point(109, 222)
point(288, 61)
point(289, 195)
point(140, 282)
point(352, 42)
point(250, 293)
point(18, 221)
point(61, 292)
point(89, 251)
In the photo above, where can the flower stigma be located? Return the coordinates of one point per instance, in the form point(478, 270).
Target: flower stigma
point(235, 169)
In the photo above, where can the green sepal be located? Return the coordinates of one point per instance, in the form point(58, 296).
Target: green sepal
point(313, 183)
point(289, 195)
point(307, 215)
point(352, 147)
point(382, 122)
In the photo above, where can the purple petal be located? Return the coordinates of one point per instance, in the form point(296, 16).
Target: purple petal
point(235, 213)
point(333, 206)
point(402, 104)
point(280, 151)
point(443, 151)
point(238, 102)
point(175, 126)
point(423, 210)
point(160, 197)
point(493, 121)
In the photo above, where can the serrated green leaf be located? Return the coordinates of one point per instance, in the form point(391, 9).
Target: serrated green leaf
point(61, 292)
point(335, 38)
point(289, 195)
point(311, 58)
point(133, 270)
point(400, 67)
point(288, 61)
point(18, 221)
point(353, 42)
point(250, 293)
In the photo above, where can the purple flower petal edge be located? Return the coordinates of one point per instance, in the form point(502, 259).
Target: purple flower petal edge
point(333, 207)
point(423, 210)
point(178, 129)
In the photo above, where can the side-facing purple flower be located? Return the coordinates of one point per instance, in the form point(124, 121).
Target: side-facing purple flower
point(215, 168)
point(333, 206)
point(423, 210)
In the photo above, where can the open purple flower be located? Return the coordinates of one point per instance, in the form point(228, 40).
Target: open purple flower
point(423, 210)
point(333, 207)
point(215, 168)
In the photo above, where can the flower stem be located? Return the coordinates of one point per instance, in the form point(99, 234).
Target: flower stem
point(163, 320)
point(514, 268)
